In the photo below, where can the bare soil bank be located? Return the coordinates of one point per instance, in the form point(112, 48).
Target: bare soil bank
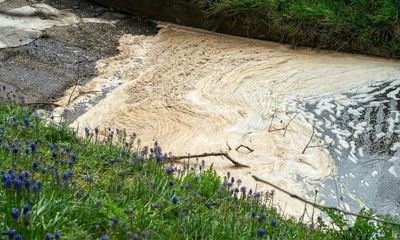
point(65, 55)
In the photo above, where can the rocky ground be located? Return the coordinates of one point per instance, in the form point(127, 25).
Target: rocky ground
point(65, 55)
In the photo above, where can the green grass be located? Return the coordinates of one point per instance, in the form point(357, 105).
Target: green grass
point(365, 26)
point(115, 192)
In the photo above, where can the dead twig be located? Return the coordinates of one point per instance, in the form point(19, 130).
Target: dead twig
point(244, 146)
point(88, 92)
point(276, 129)
point(322, 145)
point(324, 207)
point(309, 141)
point(315, 146)
point(211, 154)
point(77, 81)
point(313, 209)
point(80, 92)
point(272, 119)
point(70, 96)
point(304, 213)
point(44, 103)
point(285, 127)
point(290, 120)
point(229, 147)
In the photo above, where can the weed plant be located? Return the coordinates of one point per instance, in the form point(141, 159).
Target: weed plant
point(366, 26)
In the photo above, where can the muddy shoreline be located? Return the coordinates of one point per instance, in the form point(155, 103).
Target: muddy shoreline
point(64, 56)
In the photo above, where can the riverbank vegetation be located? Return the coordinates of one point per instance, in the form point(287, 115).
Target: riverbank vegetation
point(363, 26)
point(58, 185)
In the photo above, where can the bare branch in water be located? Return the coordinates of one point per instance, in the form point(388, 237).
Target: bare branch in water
point(309, 141)
point(272, 119)
point(324, 207)
point(285, 128)
point(211, 154)
point(229, 147)
point(244, 146)
point(290, 120)
point(315, 146)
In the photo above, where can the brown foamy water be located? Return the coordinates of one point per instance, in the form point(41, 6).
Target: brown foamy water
point(197, 92)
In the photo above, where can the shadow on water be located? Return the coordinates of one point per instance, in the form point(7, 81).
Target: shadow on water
point(366, 147)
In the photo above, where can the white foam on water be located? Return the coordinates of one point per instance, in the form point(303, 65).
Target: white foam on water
point(353, 112)
point(380, 135)
point(392, 170)
point(194, 91)
point(395, 146)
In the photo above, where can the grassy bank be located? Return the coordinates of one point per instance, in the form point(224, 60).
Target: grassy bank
point(56, 185)
point(364, 26)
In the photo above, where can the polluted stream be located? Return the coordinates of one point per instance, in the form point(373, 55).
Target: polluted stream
point(311, 120)
point(300, 119)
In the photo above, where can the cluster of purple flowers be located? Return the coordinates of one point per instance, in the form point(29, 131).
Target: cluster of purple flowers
point(20, 181)
point(16, 214)
point(261, 218)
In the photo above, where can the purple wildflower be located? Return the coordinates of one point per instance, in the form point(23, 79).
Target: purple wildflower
point(15, 213)
point(273, 222)
point(25, 209)
point(261, 232)
point(174, 199)
point(10, 233)
point(48, 236)
point(170, 170)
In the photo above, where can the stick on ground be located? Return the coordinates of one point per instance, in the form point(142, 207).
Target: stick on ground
point(43, 103)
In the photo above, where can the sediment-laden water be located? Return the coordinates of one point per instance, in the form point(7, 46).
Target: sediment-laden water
point(198, 92)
